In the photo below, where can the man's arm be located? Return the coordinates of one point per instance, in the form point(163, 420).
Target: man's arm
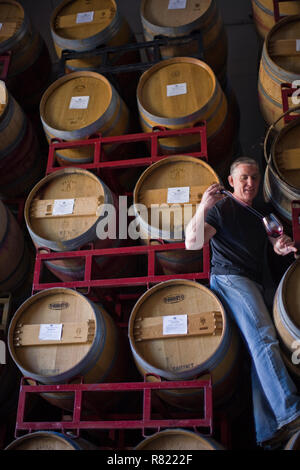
point(198, 232)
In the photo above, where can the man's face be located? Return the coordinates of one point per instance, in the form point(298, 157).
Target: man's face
point(245, 182)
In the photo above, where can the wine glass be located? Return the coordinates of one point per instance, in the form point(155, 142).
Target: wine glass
point(272, 225)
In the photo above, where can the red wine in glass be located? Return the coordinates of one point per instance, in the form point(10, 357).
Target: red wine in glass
point(272, 225)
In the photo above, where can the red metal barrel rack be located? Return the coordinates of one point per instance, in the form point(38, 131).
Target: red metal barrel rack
point(144, 420)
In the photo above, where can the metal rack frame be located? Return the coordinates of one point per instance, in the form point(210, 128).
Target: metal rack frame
point(276, 7)
point(296, 222)
point(5, 61)
point(104, 51)
point(145, 420)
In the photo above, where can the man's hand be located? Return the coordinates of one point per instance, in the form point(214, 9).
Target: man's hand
point(211, 196)
point(284, 245)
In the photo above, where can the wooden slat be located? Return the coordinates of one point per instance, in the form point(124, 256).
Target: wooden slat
point(69, 21)
point(81, 332)
point(283, 47)
point(160, 196)
point(8, 30)
point(83, 206)
point(199, 324)
point(290, 159)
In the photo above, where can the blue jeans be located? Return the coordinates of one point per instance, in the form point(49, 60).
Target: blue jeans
point(275, 399)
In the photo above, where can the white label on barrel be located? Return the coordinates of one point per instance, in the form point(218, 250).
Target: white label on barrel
point(176, 89)
point(63, 206)
point(175, 325)
point(176, 4)
point(178, 195)
point(50, 332)
point(86, 17)
point(79, 102)
point(297, 45)
point(1, 24)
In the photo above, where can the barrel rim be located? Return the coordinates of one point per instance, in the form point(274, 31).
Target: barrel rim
point(58, 436)
point(169, 375)
point(165, 63)
point(177, 432)
point(72, 371)
point(68, 170)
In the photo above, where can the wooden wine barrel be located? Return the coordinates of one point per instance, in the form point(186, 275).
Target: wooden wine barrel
point(279, 64)
point(21, 164)
point(294, 442)
point(178, 439)
point(29, 56)
point(10, 375)
point(88, 343)
point(179, 93)
point(62, 213)
point(160, 19)
point(286, 309)
point(49, 440)
point(165, 184)
point(282, 176)
point(81, 27)
point(263, 14)
point(166, 340)
point(14, 254)
point(79, 105)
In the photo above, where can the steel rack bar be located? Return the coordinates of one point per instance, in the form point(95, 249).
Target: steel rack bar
point(287, 91)
point(89, 282)
point(296, 222)
point(147, 419)
point(150, 138)
point(276, 8)
point(107, 68)
point(4, 65)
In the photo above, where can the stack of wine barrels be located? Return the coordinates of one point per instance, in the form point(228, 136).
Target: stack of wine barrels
point(278, 65)
point(30, 65)
point(178, 329)
point(87, 27)
point(282, 175)
point(163, 18)
point(21, 164)
point(263, 14)
point(286, 317)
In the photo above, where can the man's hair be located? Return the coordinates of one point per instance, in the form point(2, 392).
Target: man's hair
point(242, 160)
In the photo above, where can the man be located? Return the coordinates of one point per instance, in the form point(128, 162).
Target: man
point(238, 241)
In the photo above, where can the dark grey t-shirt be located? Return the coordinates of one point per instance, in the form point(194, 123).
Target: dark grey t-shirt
point(239, 245)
